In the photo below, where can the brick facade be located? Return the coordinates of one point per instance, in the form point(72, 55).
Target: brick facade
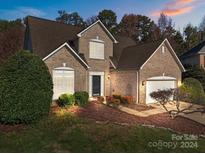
point(124, 83)
point(97, 65)
point(66, 56)
point(159, 64)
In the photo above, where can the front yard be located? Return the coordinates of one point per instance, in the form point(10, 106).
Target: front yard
point(78, 130)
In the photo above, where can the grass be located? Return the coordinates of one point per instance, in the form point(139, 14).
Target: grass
point(67, 133)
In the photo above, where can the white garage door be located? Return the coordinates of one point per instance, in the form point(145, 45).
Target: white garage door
point(152, 86)
point(63, 82)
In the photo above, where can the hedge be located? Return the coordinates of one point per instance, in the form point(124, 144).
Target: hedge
point(25, 89)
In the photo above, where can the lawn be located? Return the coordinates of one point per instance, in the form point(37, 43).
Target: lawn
point(67, 133)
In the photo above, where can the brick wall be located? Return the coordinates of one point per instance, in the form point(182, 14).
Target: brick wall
point(65, 56)
point(124, 83)
point(97, 65)
point(160, 63)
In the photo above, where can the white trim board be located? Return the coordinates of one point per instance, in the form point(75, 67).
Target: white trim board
point(172, 50)
point(112, 64)
point(102, 84)
point(98, 21)
point(66, 44)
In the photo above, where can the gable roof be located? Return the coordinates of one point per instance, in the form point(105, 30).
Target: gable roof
point(103, 26)
point(79, 57)
point(47, 35)
point(200, 48)
point(135, 57)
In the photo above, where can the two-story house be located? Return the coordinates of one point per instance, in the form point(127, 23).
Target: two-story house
point(195, 56)
point(91, 59)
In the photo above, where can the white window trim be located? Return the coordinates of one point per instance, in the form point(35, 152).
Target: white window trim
point(161, 78)
point(65, 69)
point(100, 42)
point(102, 84)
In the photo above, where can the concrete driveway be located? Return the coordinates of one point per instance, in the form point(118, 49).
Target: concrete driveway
point(157, 108)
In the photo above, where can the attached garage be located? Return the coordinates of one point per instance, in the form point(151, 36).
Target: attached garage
point(63, 81)
point(158, 83)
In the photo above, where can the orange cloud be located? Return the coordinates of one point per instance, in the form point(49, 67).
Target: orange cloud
point(173, 12)
point(178, 3)
point(176, 7)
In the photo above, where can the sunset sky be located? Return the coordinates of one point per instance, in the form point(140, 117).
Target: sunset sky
point(181, 11)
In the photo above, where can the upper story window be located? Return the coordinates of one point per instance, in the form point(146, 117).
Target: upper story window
point(97, 49)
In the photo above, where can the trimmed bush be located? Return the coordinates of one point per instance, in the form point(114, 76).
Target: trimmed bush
point(25, 89)
point(195, 72)
point(66, 100)
point(193, 90)
point(81, 97)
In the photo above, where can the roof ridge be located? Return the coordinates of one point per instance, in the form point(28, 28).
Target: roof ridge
point(53, 21)
point(138, 45)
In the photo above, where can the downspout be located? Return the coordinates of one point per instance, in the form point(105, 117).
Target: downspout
point(137, 87)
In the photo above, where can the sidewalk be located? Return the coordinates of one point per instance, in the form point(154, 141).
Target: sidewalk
point(198, 117)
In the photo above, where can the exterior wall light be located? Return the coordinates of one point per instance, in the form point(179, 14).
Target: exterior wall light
point(108, 76)
point(143, 83)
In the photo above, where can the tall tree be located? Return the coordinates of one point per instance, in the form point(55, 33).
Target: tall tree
point(109, 19)
point(191, 36)
point(91, 20)
point(70, 18)
point(128, 25)
point(166, 26)
point(11, 38)
point(202, 30)
point(139, 27)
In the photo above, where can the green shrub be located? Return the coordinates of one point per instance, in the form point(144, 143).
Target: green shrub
point(66, 100)
point(81, 97)
point(25, 89)
point(195, 72)
point(193, 91)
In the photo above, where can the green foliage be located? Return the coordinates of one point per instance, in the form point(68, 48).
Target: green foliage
point(66, 99)
point(109, 19)
point(25, 89)
point(194, 90)
point(6, 25)
point(191, 36)
point(70, 18)
point(195, 72)
point(81, 97)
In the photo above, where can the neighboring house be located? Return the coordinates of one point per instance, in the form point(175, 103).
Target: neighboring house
point(93, 60)
point(195, 56)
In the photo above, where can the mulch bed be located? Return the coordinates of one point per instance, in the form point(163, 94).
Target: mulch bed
point(139, 107)
point(100, 112)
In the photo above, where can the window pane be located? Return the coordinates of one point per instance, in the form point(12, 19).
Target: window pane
point(96, 50)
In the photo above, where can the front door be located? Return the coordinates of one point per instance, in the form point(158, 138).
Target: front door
point(96, 85)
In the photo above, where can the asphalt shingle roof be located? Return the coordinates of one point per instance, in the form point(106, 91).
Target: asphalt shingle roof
point(134, 57)
point(195, 50)
point(47, 35)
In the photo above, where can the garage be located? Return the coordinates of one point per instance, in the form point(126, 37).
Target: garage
point(63, 81)
point(158, 83)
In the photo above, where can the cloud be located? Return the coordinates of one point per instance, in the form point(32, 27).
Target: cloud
point(174, 12)
point(177, 7)
point(21, 12)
